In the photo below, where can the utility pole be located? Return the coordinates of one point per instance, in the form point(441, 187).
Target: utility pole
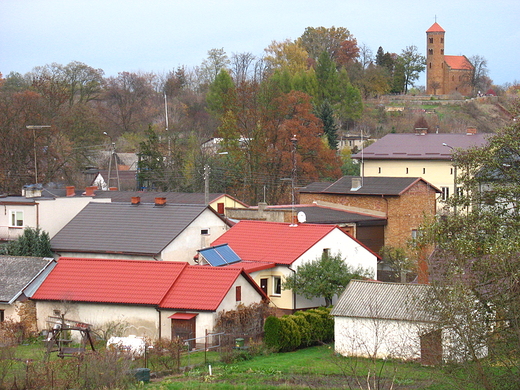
point(34, 128)
point(206, 183)
point(113, 156)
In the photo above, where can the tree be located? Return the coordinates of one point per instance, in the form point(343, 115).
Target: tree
point(324, 277)
point(151, 167)
point(326, 114)
point(216, 61)
point(479, 79)
point(33, 242)
point(337, 42)
point(413, 64)
point(475, 268)
point(286, 55)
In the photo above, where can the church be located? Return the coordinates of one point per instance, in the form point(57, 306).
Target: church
point(445, 74)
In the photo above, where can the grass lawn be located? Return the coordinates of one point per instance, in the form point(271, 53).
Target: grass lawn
point(315, 367)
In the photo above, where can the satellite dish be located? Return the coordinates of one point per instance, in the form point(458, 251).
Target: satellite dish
point(302, 217)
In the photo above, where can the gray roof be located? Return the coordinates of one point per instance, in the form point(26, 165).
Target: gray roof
point(330, 215)
point(371, 186)
point(17, 272)
point(143, 229)
point(411, 146)
point(380, 300)
point(149, 196)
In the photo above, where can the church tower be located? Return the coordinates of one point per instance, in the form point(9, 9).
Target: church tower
point(435, 83)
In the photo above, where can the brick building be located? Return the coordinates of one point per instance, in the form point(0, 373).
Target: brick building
point(445, 74)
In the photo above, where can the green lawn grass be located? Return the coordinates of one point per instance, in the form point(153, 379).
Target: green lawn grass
point(315, 367)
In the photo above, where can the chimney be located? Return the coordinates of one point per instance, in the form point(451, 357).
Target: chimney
point(70, 190)
point(136, 200)
point(261, 207)
point(160, 201)
point(112, 188)
point(356, 183)
point(89, 191)
point(471, 130)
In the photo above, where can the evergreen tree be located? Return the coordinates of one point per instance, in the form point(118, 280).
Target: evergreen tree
point(330, 129)
point(151, 166)
point(33, 242)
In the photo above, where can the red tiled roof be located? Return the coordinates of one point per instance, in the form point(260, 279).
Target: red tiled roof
point(435, 28)
point(168, 284)
point(115, 281)
point(200, 288)
point(272, 242)
point(458, 62)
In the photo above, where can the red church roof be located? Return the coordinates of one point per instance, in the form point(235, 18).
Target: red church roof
point(458, 62)
point(167, 284)
point(435, 28)
point(272, 242)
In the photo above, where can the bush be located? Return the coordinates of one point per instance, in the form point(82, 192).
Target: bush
point(272, 333)
point(290, 336)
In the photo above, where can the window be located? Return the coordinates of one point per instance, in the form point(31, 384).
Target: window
point(424, 171)
point(204, 232)
point(379, 170)
point(407, 171)
point(326, 252)
point(442, 51)
point(451, 171)
point(431, 40)
point(445, 193)
point(1, 316)
point(238, 293)
point(277, 285)
point(16, 218)
point(442, 40)
point(430, 51)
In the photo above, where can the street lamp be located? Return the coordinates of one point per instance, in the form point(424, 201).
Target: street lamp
point(34, 128)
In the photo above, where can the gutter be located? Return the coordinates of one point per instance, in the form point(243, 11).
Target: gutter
point(160, 326)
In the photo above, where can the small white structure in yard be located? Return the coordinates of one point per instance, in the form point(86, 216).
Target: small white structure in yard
point(387, 320)
point(132, 344)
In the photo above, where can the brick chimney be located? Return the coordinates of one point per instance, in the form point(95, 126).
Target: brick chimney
point(89, 191)
point(70, 190)
point(112, 188)
point(160, 201)
point(136, 200)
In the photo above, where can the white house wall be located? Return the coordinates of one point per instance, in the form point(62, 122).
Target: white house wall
point(141, 320)
point(355, 254)
point(186, 244)
point(376, 338)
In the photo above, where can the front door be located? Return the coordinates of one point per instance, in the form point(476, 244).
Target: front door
point(263, 285)
point(431, 348)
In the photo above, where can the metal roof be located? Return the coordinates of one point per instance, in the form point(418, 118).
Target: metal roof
point(16, 272)
point(411, 146)
point(370, 186)
point(125, 228)
point(166, 284)
point(380, 300)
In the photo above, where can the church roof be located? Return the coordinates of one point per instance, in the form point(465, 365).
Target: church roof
point(435, 28)
point(458, 62)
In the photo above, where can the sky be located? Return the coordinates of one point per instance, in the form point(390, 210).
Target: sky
point(160, 35)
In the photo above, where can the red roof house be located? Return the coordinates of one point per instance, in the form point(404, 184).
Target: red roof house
point(285, 247)
point(148, 296)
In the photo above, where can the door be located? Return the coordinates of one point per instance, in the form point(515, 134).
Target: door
point(184, 329)
point(431, 348)
point(263, 285)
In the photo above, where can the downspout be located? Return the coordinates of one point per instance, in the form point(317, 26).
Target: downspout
point(159, 330)
point(37, 215)
point(293, 294)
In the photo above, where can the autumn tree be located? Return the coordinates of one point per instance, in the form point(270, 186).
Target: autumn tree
point(216, 60)
point(479, 80)
point(475, 266)
point(337, 42)
point(286, 55)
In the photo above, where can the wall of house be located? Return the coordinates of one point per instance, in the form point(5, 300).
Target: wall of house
point(378, 338)
point(54, 214)
point(283, 301)
point(140, 320)
point(228, 202)
point(185, 245)
point(206, 320)
point(10, 311)
point(404, 213)
point(30, 212)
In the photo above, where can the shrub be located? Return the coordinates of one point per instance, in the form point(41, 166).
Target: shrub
point(272, 332)
point(290, 336)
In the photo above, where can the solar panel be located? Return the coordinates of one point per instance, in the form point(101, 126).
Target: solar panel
point(220, 255)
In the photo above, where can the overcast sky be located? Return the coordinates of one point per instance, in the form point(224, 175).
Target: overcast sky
point(159, 35)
